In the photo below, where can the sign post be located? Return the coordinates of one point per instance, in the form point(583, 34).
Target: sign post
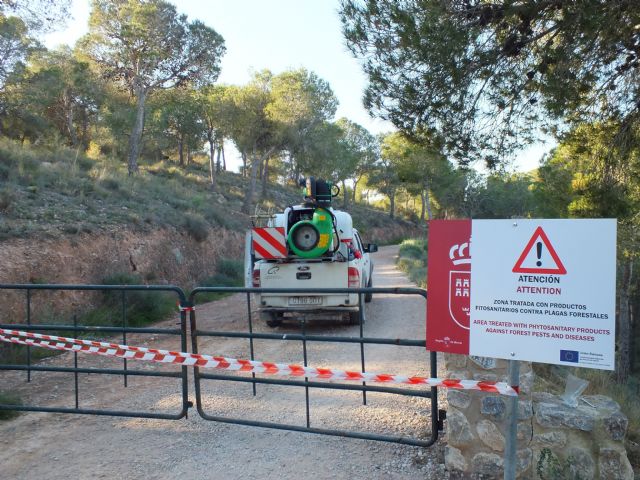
point(511, 443)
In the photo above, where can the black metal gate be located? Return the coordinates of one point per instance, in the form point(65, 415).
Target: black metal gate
point(79, 374)
point(304, 334)
point(46, 381)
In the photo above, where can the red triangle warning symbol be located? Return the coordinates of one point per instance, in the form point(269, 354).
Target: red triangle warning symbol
point(532, 259)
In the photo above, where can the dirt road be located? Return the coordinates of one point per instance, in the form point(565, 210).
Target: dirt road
point(55, 446)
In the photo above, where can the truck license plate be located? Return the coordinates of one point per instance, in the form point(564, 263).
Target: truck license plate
point(305, 300)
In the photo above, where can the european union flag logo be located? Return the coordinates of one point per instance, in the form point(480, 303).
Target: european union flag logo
point(569, 356)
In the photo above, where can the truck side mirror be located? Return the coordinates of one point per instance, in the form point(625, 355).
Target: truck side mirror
point(371, 248)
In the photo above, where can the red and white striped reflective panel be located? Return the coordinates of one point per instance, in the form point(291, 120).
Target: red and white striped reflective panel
point(269, 242)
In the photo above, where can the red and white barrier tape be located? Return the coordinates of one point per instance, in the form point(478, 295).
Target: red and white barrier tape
point(253, 366)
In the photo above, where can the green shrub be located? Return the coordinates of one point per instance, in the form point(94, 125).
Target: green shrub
point(196, 226)
point(9, 399)
point(412, 259)
point(110, 184)
point(231, 270)
point(230, 273)
point(141, 307)
point(6, 199)
point(413, 248)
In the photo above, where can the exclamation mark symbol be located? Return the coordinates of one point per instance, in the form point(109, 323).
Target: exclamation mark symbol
point(539, 251)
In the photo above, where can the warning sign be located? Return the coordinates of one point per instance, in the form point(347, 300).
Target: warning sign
point(539, 256)
point(544, 291)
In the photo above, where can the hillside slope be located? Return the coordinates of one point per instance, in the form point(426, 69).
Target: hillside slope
point(68, 218)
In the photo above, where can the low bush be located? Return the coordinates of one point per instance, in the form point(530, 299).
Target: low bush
point(9, 399)
point(197, 227)
point(230, 273)
point(140, 307)
point(412, 259)
point(414, 248)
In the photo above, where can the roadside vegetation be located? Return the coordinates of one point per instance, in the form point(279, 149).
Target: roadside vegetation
point(412, 260)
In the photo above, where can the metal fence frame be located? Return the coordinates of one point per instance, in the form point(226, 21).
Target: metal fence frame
point(186, 304)
point(125, 372)
point(437, 416)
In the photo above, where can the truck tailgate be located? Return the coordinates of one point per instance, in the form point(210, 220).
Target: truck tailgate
point(304, 275)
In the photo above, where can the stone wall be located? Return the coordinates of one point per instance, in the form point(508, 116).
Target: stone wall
point(555, 441)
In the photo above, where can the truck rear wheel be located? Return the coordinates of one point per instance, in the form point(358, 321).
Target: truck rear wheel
point(354, 318)
point(272, 319)
point(369, 296)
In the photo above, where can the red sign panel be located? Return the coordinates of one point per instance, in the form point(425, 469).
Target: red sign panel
point(448, 286)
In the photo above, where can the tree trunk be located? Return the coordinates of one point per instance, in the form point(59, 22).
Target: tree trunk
point(355, 187)
point(265, 176)
point(427, 201)
point(623, 364)
point(212, 152)
point(392, 204)
point(136, 133)
point(181, 150)
point(251, 186)
point(244, 164)
point(253, 178)
point(220, 151)
point(68, 107)
point(296, 174)
point(345, 195)
point(224, 160)
point(85, 129)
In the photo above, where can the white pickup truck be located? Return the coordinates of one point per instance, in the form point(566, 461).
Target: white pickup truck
point(305, 247)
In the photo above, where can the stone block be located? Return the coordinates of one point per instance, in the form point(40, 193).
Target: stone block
point(524, 431)
point(524, 458)
point(580, 463)
point(454, 460)
point(458, 375)
point(454, 362)
point(526, 382)
point(489, 465)
point(490, 435)
point(525, 409)
point(493, 406)
point(550, 440)
point(551, 415)
point(545, 397)
point(486, 363)
point(614, 464)
point(458, 398)
point(616, 425)
point(601, 402)
point(459, 432)
point(485, 377)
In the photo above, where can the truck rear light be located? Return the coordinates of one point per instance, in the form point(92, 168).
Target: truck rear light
point(354, 277)
point(256, 278)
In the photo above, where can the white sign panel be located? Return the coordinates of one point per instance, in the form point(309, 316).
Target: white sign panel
point(544, 291)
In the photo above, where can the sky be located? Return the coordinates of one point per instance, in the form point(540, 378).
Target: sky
point(280, 35)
